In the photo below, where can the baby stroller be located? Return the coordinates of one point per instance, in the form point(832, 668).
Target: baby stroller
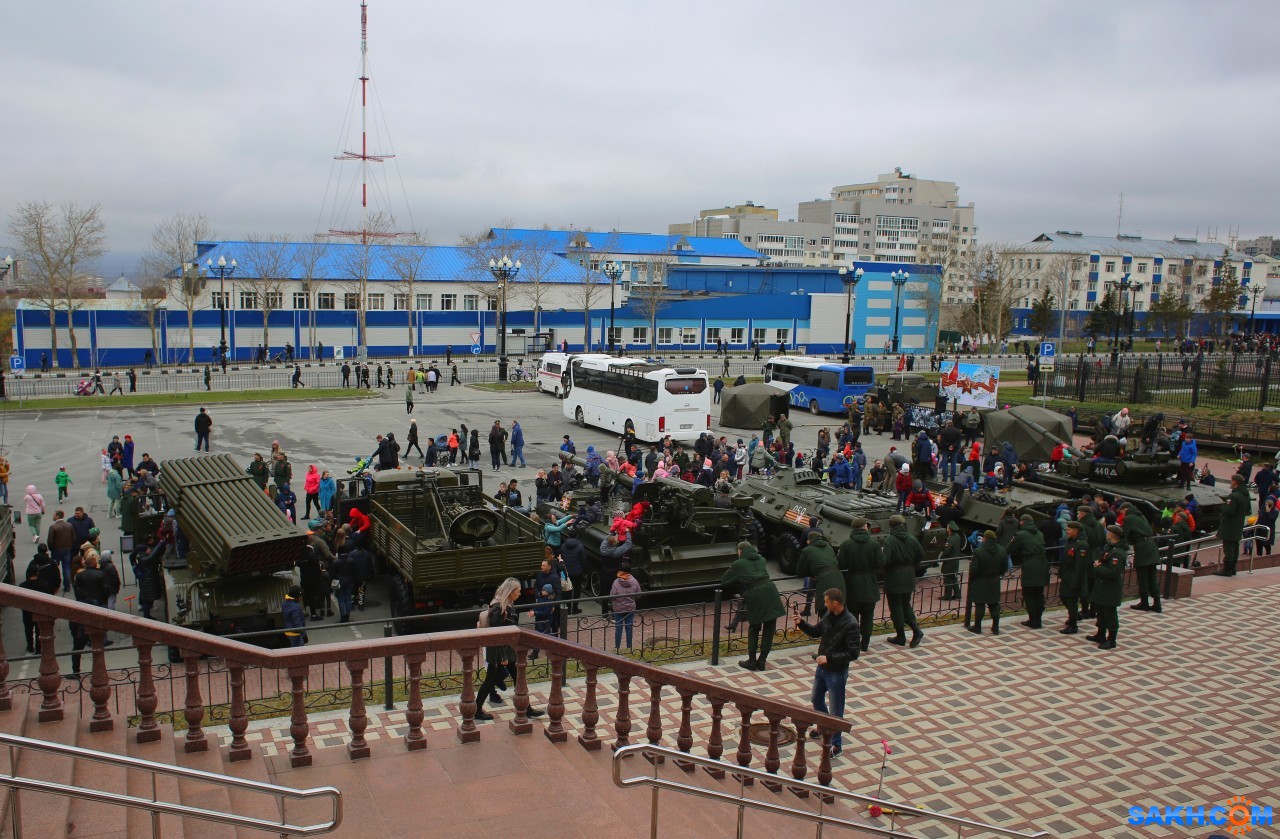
point(85, 388)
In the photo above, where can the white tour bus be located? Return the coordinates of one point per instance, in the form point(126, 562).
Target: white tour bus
point(553, 373)
point(628, 394)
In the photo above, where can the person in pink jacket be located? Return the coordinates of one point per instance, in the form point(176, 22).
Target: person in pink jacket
point(311, 486)
point(34, 508)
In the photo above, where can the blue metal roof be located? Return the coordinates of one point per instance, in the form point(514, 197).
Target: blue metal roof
point(442, 263)
point(1065, 242)
point(636, 244)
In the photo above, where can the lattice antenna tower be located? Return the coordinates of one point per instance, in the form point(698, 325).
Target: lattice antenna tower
point(364, 234)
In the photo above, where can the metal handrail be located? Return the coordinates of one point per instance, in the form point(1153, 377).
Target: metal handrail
point(15, 783)
point(1192, 547)
point(824, 796)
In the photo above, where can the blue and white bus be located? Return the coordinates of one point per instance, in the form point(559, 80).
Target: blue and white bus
point(817, 384)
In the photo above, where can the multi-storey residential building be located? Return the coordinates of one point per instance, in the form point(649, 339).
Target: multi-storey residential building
point(1078, 268)
point(1261, 246)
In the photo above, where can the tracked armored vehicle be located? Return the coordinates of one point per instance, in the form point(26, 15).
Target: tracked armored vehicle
point(1149, 481)
point(787, 503)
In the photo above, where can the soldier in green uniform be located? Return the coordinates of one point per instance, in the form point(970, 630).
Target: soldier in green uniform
point(954, 548)
point(766, 430)
point(861, 559)
point(1028, 548)
point(1076, 565)
point(1096, 535)
point(1146, 556)
point(784, 430)
point(1108, 588)
point(986, 568)
point(818, 561)
point(1231, 525)
point(761, 601)
point(902, 555)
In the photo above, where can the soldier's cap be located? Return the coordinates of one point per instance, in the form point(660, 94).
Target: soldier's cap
point(742, 546)
point(951, 525)
point(990, 534)
point(1128, 505)
point(896, 519)
point(1026, 519)
point(859, 521)
point(1074, 525)
point(1116, 529)
point(1083, 509)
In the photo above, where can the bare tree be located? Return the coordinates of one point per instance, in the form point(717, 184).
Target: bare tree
point(267, 264)
point(410, 259)
point(592, 284)
point(153, 288)
point(172, 255)
point(989, 271)
point(57, 246)
point(939, 257)
point(538, 258)
point(360, 260)
point(1063, 274)
point(649, 291)
point(307, 258)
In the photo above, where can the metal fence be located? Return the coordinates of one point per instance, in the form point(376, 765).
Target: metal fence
point(1232, 382)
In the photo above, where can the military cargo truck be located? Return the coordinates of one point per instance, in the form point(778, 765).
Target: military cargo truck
point(241, 549)
point(788, 502)
point(444, 544)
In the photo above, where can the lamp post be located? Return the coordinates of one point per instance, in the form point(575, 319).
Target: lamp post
point(6, 267)
point(223, 270)
point(1134, 289)
point(1254, 291)
point(613, 271)
point(504, 271)
point(1121, 286)
point(900, 279)
point(850, 277)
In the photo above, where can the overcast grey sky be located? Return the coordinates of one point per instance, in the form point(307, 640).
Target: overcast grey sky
point(633, 115)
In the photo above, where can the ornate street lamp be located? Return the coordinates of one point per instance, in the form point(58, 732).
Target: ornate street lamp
point(613, 271)
point(223, 270)
point(504, 271)
point(900, 278)
point(850, 277)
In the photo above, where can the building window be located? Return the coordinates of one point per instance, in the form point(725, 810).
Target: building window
point(448, 302)
point(689, 335)
point(301, 300)
point(351, 301)
point(759, 336)
point(219, 300)
point(377, 302)
point(248, 300)
point(713, 334)
point(491, 303)
point(471, 302)
point(783, 336)
point(400, 302)
point(422, 302)
point(275, 300)
point(614, 335)
point(326, 300)
point(639, 334)
point(1142, 267)
point(664, 335)
point(1110, 268)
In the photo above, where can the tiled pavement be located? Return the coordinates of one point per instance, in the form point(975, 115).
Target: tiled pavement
point(1031, 729)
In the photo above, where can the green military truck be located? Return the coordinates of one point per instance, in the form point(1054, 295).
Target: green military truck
point(241, 550)
point(445, 545)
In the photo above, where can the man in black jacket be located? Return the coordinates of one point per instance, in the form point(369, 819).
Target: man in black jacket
point(837, 649)
point(204, 423)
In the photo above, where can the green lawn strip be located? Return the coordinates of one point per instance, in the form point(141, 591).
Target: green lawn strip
point(67, 403)
point(506, 387)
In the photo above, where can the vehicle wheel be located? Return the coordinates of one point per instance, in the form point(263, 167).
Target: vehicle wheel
point(540, 390)
point(556, 391)
point(786, 550)
point(580, 417)
point(813, 408)
point(594, 583)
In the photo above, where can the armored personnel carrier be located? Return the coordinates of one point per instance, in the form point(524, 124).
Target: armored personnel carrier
point(444, 544)
point(787, 503)
point(241, 550)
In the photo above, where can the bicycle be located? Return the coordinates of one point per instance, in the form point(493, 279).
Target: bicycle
point(520, 375)
point(1238, 448)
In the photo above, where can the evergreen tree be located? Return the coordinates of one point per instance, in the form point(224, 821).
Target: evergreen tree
point(1042, 314)
point(1103, 316)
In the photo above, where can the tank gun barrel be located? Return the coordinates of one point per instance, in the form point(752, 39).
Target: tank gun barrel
point(1046, 433)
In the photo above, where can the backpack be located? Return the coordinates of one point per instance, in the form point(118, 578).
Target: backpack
point(483, 621)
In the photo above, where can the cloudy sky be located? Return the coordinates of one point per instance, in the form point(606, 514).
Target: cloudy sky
point(632, 115)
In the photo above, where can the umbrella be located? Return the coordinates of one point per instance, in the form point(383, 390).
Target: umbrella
point(1033, 432)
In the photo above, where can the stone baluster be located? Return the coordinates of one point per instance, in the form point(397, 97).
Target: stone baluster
point(6, 701)
point(50, 679)
point(467, 731)
point(193, 711)
point(521, 724)
point(654, 730)
point(684, 739)
point(414, 739)
point(798, 766)
point(744, 742)
point(622, 722)
point(555, 702)
point(772, 760)
point(148, 730)
point(358, 747)
point(824, 765)
point(99, 684)
point(239, 721)
point(590, 713)
point(299, 728)
point(715, 743)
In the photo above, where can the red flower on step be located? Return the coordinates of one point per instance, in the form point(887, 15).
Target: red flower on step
point(876, 812)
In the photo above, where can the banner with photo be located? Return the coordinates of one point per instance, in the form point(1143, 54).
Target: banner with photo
point(970, 384)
